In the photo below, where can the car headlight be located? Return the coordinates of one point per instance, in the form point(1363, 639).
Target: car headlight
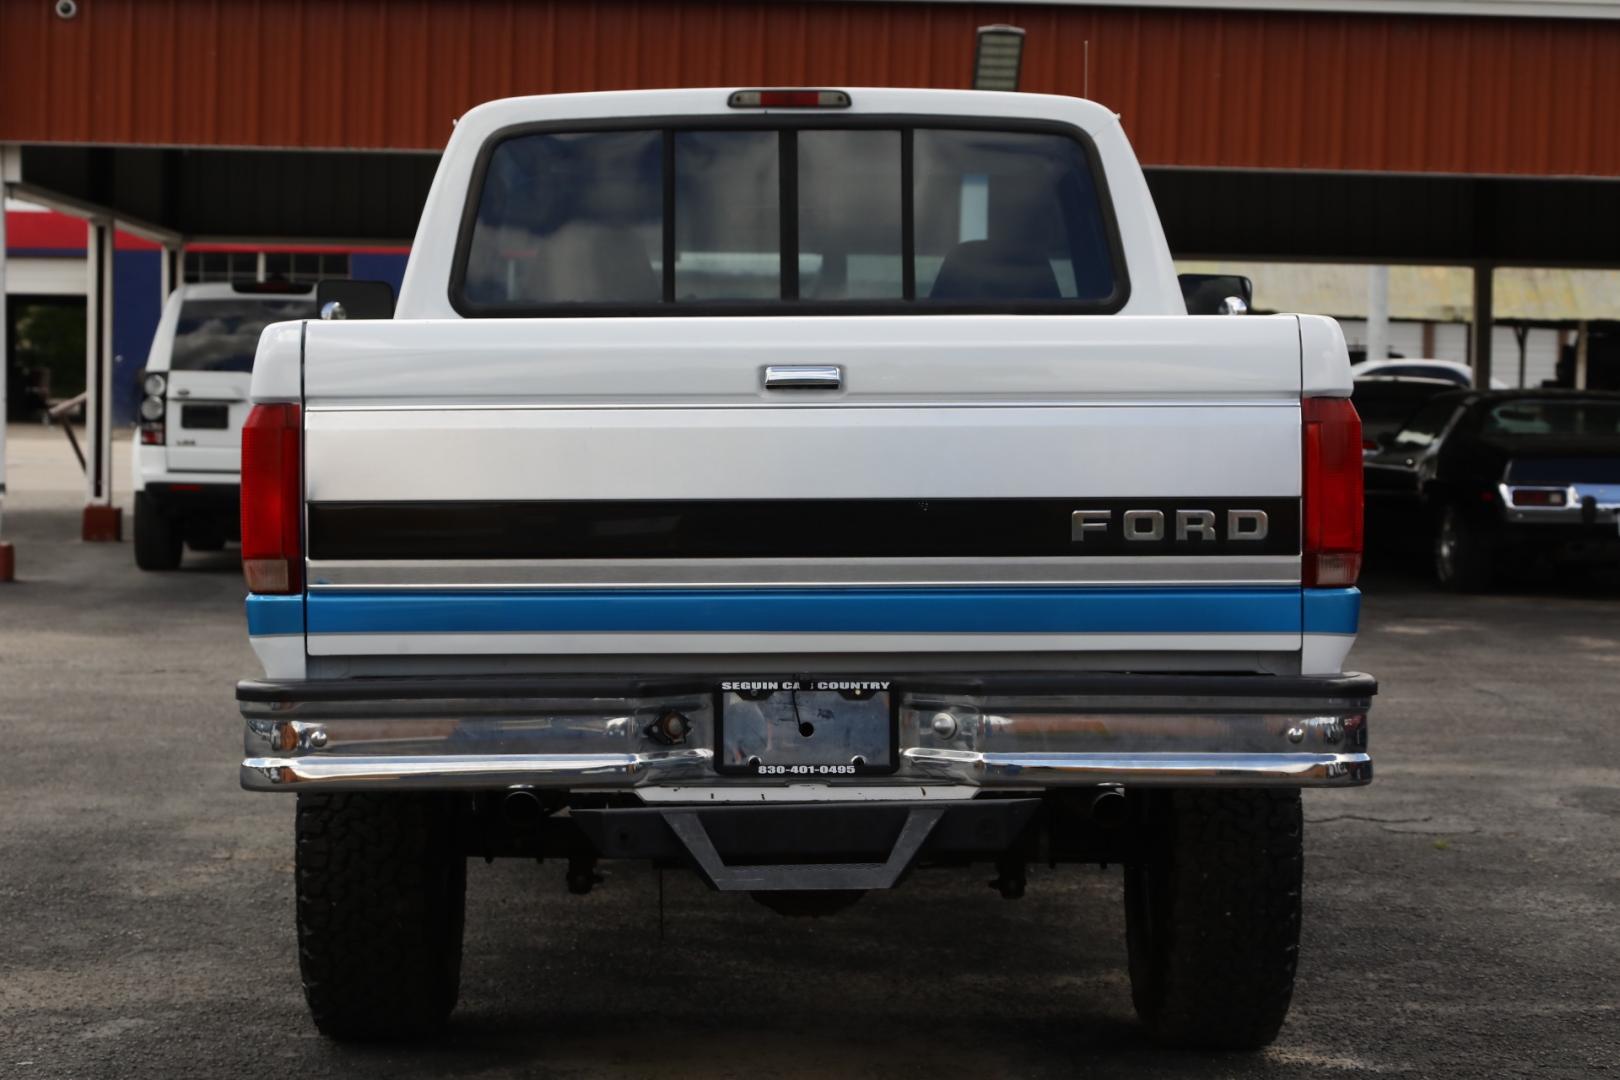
point(154, 385)
point(152, 407)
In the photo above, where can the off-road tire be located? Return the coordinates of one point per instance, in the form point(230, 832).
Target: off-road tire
point(1463, 558)
point(381, 899)
point(1212, 915)
point(157, 539)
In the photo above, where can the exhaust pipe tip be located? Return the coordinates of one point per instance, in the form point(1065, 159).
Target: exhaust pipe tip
point(1108, 807)
point(522, 808)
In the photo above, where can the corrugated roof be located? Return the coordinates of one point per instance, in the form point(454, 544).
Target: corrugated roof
point(1432, 293)
point(1278, 89)
point(1548, 9)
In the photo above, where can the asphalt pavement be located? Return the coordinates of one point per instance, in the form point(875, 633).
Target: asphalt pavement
point(1462, 914)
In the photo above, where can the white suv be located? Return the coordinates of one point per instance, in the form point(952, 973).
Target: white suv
point(188, 445)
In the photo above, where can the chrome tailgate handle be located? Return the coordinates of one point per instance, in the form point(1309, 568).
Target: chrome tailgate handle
point(804, 377)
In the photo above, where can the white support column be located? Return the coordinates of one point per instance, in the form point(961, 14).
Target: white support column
point(1479, 341)
point(7, 558)
point(1583, 352)
point(101, 518)
point(1377, 312)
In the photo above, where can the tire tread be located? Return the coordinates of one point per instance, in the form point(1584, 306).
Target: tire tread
point(1476, 566)
point(157, 538)
point(381, 899)
point(1214, 968)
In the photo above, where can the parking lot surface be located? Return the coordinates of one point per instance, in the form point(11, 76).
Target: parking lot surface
point(1462, 913)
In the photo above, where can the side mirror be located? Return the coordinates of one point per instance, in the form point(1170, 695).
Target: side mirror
point(1216, 294)
point(343, 299)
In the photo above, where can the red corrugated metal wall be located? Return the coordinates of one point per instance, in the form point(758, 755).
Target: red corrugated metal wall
point(1289, 90)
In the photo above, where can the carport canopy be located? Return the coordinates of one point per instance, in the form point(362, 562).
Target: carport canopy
point(370, 197)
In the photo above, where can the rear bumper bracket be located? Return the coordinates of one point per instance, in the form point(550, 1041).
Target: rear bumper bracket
point(808, 847)
point(688, 826)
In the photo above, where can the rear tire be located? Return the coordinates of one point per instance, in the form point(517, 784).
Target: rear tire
point(1212, 916)
point(157, 539)
point(1463, 558)
point(381, 901)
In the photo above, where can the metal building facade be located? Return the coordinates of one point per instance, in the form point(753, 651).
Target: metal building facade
point(1253, 89)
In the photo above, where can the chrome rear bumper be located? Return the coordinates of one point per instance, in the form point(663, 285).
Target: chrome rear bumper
point(1006, 732)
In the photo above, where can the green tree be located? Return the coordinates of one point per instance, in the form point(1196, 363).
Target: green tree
point(50, 335)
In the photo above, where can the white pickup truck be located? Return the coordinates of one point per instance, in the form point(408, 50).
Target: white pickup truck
point(805, 487)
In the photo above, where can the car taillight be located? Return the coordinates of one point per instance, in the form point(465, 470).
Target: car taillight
point(153, 407)
point(272, 539)
point(1540, 497)
point(1332, 487)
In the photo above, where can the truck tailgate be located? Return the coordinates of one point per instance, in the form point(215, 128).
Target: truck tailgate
point(587, 491)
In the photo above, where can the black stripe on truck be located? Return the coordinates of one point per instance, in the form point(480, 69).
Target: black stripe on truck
point(803, 528)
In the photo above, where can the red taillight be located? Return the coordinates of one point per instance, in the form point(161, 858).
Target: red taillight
point(1332, 485)
point(272, 540)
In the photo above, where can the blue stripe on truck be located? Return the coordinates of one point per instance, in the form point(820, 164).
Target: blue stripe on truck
point(1332, 611)
point(268, 615)
point(838, 610)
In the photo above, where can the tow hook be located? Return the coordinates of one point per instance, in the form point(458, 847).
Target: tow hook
point(1010, 877)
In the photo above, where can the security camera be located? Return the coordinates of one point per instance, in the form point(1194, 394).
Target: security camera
point(66, 9)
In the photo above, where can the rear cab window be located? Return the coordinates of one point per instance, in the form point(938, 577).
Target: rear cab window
point(222, 335)
point(788, 218)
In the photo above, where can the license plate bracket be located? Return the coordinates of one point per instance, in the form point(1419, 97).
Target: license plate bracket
point(806, 729)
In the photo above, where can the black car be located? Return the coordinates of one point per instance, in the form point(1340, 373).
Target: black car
point(1384, 403)
point(1488, 479)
